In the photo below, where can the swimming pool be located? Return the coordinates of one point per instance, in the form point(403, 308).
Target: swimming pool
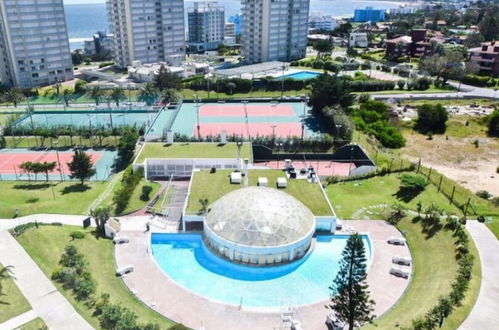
point(302, 75)
point(186, 260)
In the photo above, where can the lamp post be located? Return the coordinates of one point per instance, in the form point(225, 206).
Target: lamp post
point(197, 115)
point(273, 131)
point(239, 145)
point(58, 159)
point(337, 131)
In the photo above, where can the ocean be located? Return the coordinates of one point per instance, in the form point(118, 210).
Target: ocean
point(84, 20)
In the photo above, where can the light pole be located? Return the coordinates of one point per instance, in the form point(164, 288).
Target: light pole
point(197, 116)
point(273, 131)
point(90, 123)
point(337, 131)
point(239, 145)
point(282, 79)
point(58, 160)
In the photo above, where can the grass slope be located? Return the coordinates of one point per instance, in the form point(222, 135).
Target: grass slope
point(12, 301)
point(46, 244)
point(37, 197)
point(35, 324)
point(215, 185)
point(349, 197)
point(434, 270)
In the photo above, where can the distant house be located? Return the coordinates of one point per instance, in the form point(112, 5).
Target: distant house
point(486, 57)
point(358, 39)
point(369, 15)
point(415, 45)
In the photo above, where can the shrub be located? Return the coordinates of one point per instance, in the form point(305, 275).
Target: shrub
point(493, 123)
point(483, 194)
point(401, 84)
point(104, 64)
point(146, 191)
point(77, 235)
point(422, 83)
point(317, 64)
point(431, 118)
point(495, 201)
point(413, 182)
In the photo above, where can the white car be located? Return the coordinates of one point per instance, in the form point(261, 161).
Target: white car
point(397, 240)
point(400, 260)
point(125, 270)
point(400, 272)
point(121, 240)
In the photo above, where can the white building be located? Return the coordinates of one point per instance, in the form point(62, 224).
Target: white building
point(358, 40)
point(141, 73)
point(206, 26)
point(230, 34)
point(324, 23)
point(147, 31)
point(274, 30)
point(34, 46)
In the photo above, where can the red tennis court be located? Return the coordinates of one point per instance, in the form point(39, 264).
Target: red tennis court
point(322, 167)
point(10, 161)
point(250, 129)
point(253, 110)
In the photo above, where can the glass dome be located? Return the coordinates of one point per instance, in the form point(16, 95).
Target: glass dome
point(249, 222)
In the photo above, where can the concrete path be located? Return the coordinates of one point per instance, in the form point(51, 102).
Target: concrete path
point(484, 314)
point(46, 301)
point(75, 220)
point(19, 320)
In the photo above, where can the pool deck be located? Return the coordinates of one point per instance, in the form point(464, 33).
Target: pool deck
point(155, 289)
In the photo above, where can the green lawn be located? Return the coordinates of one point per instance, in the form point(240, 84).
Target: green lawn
point(12, 301)
point(46, 244)
point(38, 197)
point(192, 150)
point(351, 196)
point(35, 324)
point(135, 202)
point(432, 89)
point(215, 185)
point(451, 102)
point(434, 270)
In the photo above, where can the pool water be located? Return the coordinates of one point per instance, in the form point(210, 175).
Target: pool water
point(186, 260)
point(302, 75)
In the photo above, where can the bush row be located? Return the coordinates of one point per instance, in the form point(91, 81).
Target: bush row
point(129, 181)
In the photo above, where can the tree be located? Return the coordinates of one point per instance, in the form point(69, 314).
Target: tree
point(116, 316)
point(473, 40)
point(48, 167)
point(350, 296)
point(230, 87)
point(148, 94)
point(6, 273)
point(322, 47)
point(96, 93)
point(448, 66)
point(13, 95)
point(432, 118)
point(81, 166)
point(169, 95)
point(117, 94)
point(166, 79)
point(328, 90)
point(66, 96)
point(101, 216)
point(77, 57)
point(489, 25)
point(493, 123)
point(27, 167)
point(412, 182)
point(126, 147)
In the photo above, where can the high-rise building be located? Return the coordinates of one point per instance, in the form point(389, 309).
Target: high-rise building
point(369, 15)
point(274, 30)
point(230, 34)
point(206, 26)
point(34, 46)
point(238, 21)
point(149, 31)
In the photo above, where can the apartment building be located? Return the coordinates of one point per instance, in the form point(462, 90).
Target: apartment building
point(149, 31)
point(486, 57)
point(230, 34)
point(34, 46)
point(323, 23)
point(274, 30)
point(206, 26)
point(369, 15)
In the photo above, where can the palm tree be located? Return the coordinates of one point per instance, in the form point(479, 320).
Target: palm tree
point(6, 273)
point(117, 94)
point(13, 95)
point(96, 94)
point(148, 94)
point(101, 215)
point(66, 96)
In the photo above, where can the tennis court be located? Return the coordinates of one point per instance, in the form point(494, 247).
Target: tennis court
point(86, 119)
point(285, 119)
point(11, 159)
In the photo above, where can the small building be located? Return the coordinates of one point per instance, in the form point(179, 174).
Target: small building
point(369, 14)
point(358, 39)
point(323, 23)
point(146, 72)
point(415, 45)
point(486, 57)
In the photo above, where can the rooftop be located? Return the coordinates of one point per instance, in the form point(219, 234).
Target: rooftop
point(213, 186)
point(252, 69)
point(192, 150)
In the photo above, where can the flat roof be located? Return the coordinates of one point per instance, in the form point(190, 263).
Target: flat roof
point(192, 150)
point(253, 68)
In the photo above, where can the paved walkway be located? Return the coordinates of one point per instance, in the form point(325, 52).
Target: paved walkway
point(75, 220)
point(167, 297)
point(484, 314)
point(46, 301)
point(19, 320)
